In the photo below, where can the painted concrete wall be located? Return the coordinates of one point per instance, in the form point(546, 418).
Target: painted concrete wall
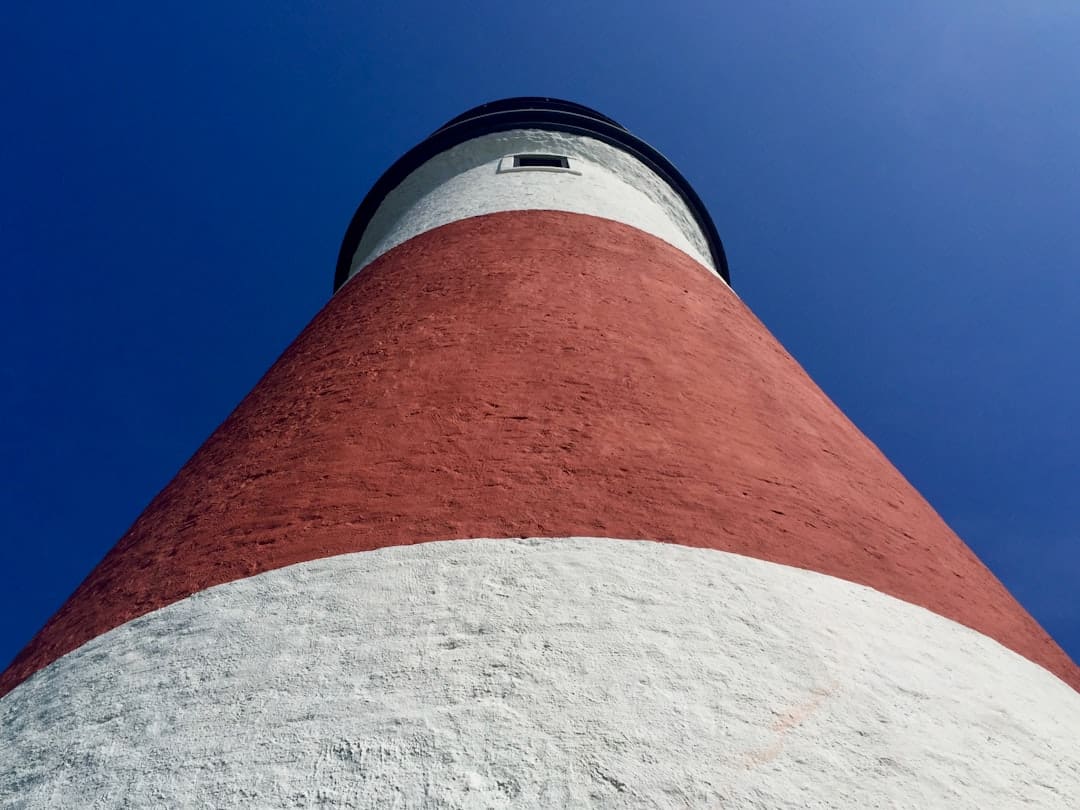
point(803, 630)
point(537, 373)
point(541, 673)
point(466, 181)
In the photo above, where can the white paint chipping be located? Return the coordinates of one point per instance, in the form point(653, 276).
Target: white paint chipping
point(540, 673)
point(465, 181)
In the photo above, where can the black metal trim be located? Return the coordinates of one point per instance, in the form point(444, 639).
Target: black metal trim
point(529, 112)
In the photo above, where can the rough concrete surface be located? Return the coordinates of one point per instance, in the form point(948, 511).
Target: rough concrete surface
point(540, 673)
point(537, 373)
point(464, 182)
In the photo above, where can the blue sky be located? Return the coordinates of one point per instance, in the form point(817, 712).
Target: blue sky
point(897, 189)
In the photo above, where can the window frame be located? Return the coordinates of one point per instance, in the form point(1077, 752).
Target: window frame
point(508, 163)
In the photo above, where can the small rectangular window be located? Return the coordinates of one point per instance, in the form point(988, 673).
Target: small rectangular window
point(534, 162)
point(541, 162)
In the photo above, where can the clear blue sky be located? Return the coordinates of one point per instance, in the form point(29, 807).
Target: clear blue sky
point(898, 190)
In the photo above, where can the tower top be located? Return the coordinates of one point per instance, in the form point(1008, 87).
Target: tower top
point(526, 112)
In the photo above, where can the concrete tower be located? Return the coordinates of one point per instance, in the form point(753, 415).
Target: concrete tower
point(536, 513)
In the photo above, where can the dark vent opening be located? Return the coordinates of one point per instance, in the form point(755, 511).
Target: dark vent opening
point(541, 162)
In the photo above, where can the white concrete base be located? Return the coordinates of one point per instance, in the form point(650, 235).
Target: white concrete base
point(540, 673)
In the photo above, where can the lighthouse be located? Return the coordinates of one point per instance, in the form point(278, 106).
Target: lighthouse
point(536, 513)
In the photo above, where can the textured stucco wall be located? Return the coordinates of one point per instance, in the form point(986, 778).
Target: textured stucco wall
point(464, 182)
point(541, 673)
point(537, 373)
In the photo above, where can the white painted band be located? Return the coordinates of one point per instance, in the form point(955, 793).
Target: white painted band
point(540, 673)
point(465, 181)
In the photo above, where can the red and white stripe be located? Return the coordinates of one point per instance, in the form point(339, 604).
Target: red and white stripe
point(305, 614)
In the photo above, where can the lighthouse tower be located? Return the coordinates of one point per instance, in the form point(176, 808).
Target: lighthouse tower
point(536, 513)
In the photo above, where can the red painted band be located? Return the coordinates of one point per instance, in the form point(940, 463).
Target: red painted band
point(537, 373)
